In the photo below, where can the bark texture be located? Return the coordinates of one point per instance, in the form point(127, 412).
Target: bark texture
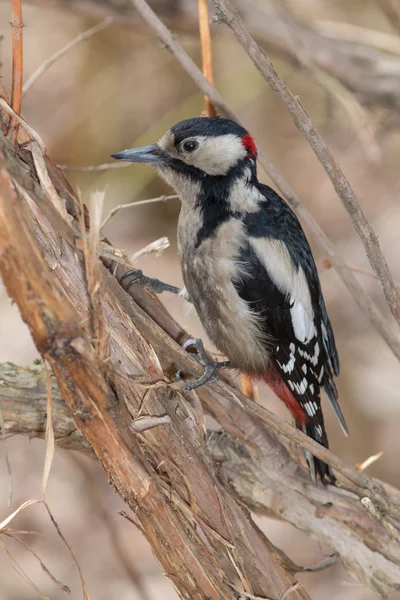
point(182, 486)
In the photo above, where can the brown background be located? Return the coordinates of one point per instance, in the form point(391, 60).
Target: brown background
point(121, 89)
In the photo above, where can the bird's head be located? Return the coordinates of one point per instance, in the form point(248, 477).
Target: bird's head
point(198, 148)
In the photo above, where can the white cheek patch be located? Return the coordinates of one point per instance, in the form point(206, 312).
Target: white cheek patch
point(216, 155)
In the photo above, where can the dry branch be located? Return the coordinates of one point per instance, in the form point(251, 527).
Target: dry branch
point(206, 51)
point(226, 13)
point(199, 566)
point(131, 361)
point(252, 461)
point(17, 66)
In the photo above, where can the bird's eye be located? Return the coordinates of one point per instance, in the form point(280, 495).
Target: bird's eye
point(189, 146)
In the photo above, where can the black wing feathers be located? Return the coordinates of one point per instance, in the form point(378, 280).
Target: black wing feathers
point(304, 367)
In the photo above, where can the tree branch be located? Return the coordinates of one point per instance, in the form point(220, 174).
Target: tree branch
point(131, 361)
point(104, 399)
point(226, 13)
point(251, 460)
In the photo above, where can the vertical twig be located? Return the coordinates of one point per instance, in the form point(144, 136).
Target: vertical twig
point(206, 52)
point(17, 66)
point(50, 442)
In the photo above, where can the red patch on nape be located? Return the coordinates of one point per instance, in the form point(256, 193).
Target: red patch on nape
point(250, 145)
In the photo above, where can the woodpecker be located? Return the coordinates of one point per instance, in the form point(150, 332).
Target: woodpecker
point(248, 270)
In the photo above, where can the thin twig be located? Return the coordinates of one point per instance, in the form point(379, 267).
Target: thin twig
point(96, 168)
point(49, 437)
point(156, 248)
point(358, 35)
point(206, 52)
point(32, 133)
point(325, 564)
point(17, 66)
point(369, 461)
point(21, 572)
point(357, 114)
point(357, 291)
point(326, 264)
point(57, 528)
point(226, 13)
point(139, 203)
point(247, 386)
point(64, 588)
point(60, 53)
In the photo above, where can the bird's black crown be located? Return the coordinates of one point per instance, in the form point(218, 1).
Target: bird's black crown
point(206, 126)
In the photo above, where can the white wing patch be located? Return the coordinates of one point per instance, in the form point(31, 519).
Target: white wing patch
point(303, 325)
point(275, 257)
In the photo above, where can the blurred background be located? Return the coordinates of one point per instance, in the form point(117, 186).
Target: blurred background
point(121, 89)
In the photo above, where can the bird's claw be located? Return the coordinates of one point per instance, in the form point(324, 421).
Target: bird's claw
point(211, 367)
point(155, 285)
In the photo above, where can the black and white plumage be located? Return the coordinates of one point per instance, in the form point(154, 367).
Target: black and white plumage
point(248, 268)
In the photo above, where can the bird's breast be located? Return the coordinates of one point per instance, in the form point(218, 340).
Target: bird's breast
point(210, 270)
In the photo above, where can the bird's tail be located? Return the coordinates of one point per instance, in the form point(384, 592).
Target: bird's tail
point(318, 468)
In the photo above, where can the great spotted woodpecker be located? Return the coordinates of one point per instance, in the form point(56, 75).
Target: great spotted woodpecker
point(248, 269)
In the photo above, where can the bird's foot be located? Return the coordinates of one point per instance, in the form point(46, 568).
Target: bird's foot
point(211, 367)
point(155, 285)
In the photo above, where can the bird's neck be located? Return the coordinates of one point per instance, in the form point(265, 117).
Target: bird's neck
point(209, 203)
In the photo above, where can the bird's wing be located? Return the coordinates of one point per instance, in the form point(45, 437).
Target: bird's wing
point(282, 284)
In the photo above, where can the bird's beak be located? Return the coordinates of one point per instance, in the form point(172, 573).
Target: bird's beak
point(146, 154)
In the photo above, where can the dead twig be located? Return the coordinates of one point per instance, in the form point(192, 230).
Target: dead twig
point(356, 112)
point(155, 248)
point(31, 132)
point(64, 588)
point(369, 461)
point(227, 14)
point(60, 53)
point(326, 264)
point(49, 437)
point(325, 564)
point(139, 203)
point(206, 52)
point(17, 67)
point(358, 35)
point(71, 553)
point(95, 168)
